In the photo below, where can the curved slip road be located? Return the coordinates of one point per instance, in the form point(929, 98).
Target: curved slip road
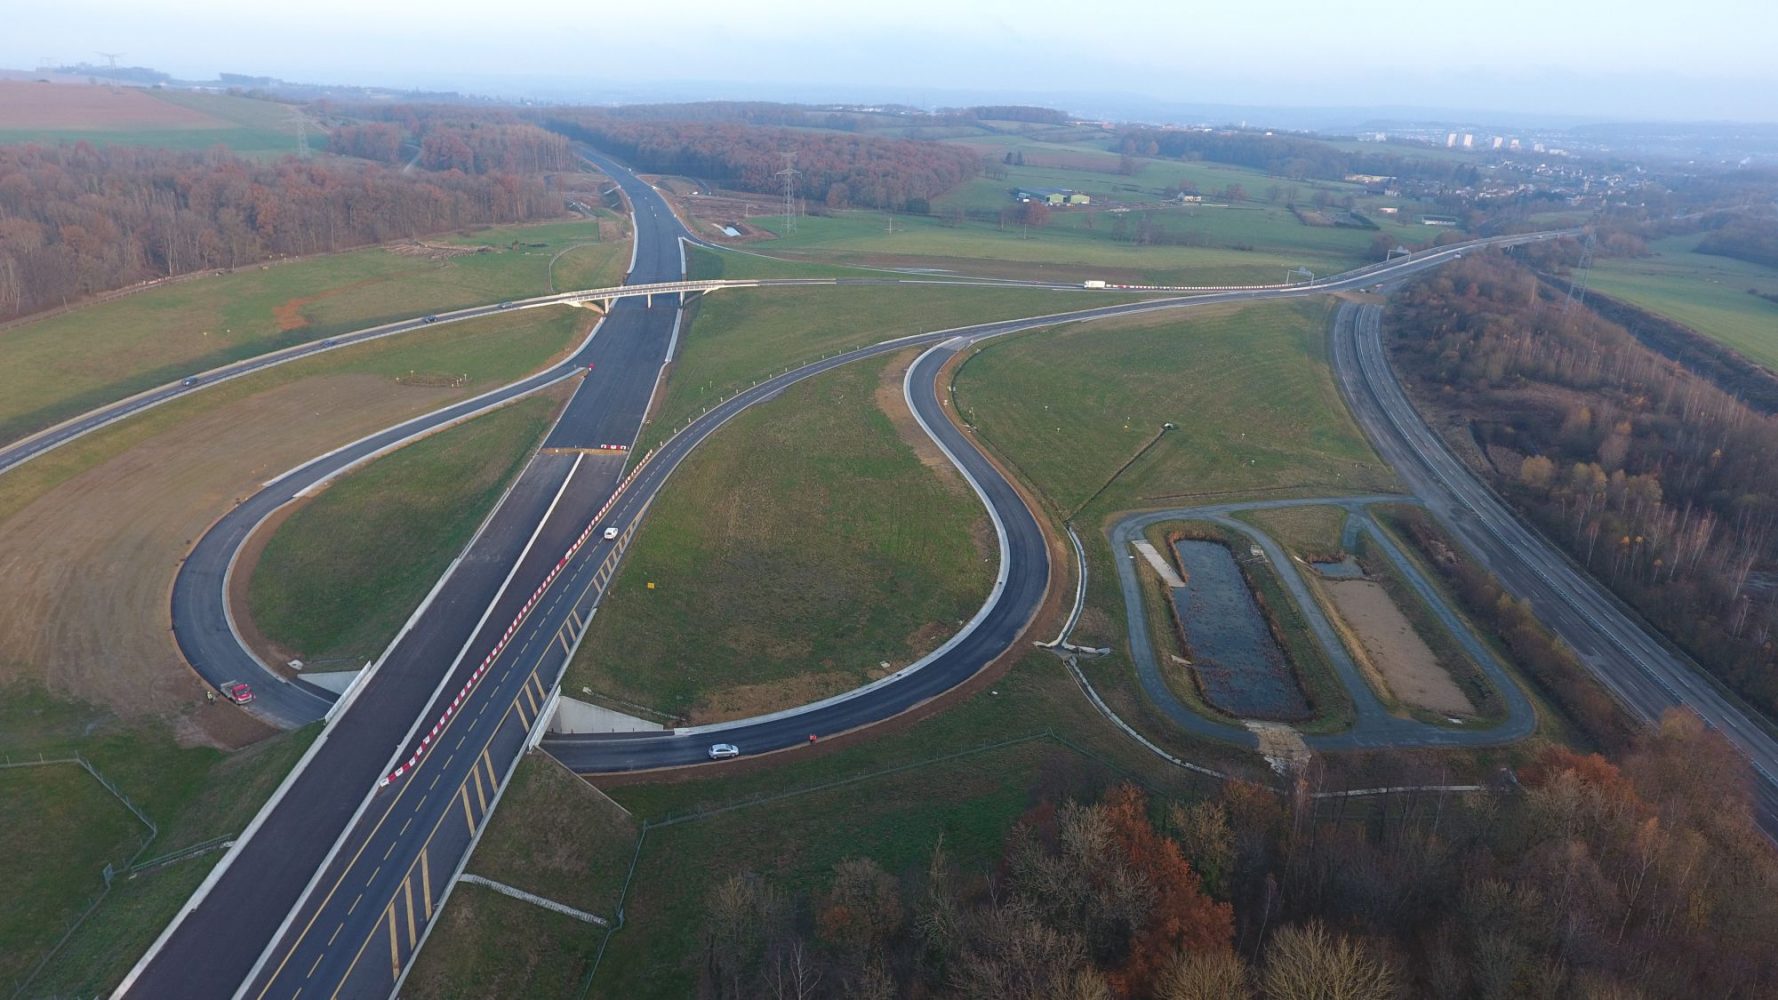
point(1373, 726)
point(1021, 565)
point(1629, 658)
point(223, 934)
point(320, 893)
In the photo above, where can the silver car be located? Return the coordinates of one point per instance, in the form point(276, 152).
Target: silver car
point(723, 751)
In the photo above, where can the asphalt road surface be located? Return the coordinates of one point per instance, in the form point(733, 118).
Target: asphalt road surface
point(1644, 672)
point(216, 944)
point(333, 881)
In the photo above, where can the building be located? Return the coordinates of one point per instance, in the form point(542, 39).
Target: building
point(1053, 197)
point(1438, 220)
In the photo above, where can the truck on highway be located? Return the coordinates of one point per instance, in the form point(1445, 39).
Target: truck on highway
point(1094, 283)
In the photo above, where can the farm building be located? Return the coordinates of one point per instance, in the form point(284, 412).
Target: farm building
point(1054, 197)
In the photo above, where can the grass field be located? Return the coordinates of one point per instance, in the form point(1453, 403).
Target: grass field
point(742, 335)
point(58, 828)
point(785, 561)
point(1070, 406)
point(68, 827)
point(1706, 293)
point(595, 265)
point(1310, 533)
point(340, 576)
point(1245, 244)
point(136, 116)
point(62, 365)
point(132, 498)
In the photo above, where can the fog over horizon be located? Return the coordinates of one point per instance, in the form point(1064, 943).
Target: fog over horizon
point(1582, 60)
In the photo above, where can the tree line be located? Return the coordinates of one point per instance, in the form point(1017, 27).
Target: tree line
point(837, 170)
point(437, 137)
point(1594, 880)
point(1658, 481)
point(78, 219)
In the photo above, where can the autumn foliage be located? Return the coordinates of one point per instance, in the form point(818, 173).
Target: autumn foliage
point(78, 219)
point(1659, 481)
point(872, 172)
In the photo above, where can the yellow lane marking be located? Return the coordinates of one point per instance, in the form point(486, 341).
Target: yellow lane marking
point(426, 883)
point(561, 637)
point(407, 892)
point(541, 690)
point(481, 797)
point(468, 817)
point(524, 723)
point(488, 762)
point(394, 948)
point(531, 699)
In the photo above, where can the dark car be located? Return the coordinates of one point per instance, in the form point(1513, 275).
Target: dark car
point(431, 319)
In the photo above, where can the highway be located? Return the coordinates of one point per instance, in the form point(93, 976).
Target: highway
point(1642, 671)
point(341, 872)
point(233, 925)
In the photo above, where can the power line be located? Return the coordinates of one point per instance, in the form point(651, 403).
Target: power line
point(789, 174)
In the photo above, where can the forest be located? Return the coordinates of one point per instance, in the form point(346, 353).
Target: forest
point(1750, 239)
point(452, 138)
point(78, 219)
point(1661, 483)
point(1584, 879)
point(836, 170)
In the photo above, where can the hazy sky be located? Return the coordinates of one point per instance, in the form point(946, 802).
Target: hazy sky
point(1620, 59)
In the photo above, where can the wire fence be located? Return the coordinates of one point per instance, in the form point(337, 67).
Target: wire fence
point(107, 875)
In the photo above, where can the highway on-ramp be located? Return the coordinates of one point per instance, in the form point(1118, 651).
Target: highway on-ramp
point(218, 940)
point(340, 879)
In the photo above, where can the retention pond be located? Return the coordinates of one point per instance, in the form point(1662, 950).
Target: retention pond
point(1239, 666)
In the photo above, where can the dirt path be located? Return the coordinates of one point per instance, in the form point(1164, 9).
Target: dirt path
point(86, 568)
point(1407, 664)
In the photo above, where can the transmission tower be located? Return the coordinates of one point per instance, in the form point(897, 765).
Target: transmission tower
point(1577, 279)
point(789, 174)
point(112, 57)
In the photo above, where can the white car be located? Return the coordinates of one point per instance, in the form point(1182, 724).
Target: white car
point(723, 751)
point(611, 533)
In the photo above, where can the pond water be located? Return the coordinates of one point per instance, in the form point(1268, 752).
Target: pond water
point(1239, 666)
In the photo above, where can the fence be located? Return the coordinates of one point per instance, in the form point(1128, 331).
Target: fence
point(109, 872)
